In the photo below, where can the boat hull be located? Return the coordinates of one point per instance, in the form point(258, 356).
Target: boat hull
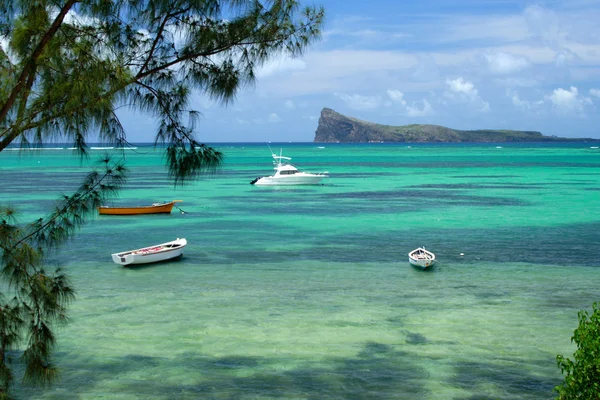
point(421, 263)
point(152, 254)
point(164, 208)
point(290, 180)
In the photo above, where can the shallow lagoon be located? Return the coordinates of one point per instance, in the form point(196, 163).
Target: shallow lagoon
point(306, 292)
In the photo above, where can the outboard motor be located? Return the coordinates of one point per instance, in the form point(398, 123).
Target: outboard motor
point(255, 180)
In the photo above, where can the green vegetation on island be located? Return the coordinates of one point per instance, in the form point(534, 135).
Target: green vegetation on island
point(335, 127)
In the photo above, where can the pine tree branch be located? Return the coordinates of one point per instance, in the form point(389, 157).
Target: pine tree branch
point(158, 36)
point(60, 212)
point(30, 66)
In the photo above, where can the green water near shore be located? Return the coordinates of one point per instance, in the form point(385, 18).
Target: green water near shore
point(306, 292)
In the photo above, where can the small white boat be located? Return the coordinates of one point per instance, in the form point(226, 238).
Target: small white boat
point(421, 258)
point(287, 174)
point(146, 255)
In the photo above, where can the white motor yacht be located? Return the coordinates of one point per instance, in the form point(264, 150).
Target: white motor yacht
point(287, 174)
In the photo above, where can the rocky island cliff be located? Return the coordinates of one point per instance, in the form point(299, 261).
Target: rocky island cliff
point(335, 127)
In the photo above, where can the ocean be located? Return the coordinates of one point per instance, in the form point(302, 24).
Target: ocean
point(306, 292)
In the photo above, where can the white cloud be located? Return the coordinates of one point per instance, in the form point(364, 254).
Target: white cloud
point(279, 65)
point(464, 92)
point(74, 18)
point(360, 29)
point(523, 104)
point(4, 46)
point(396, 96)
point(595, 92)
point(339, 71)
point(459, 85)
point(494, 28)
point(561, 32)
point(568, 101)
point(560, 59)
point(517, 102)
point(289, 104)
point(505, 63)
point(358, 102)
point(413, 111)
point(544, 24)
point(273, 118)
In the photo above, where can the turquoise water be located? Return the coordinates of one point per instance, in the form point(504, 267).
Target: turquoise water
point(306, 292)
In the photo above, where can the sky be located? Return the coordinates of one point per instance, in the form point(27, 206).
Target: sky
point(463, 64)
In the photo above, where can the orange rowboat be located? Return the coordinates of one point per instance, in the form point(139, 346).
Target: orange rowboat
point(156, 208)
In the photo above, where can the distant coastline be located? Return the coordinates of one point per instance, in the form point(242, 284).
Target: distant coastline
point(338, 128)
point(142, 146)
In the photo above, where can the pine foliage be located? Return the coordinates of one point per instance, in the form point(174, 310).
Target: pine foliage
point(35, 301)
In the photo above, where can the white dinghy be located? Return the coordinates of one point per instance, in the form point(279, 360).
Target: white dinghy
point(421, 258)
point(152, 254)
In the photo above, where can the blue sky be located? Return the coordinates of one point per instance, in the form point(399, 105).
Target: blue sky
point(463, 64)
